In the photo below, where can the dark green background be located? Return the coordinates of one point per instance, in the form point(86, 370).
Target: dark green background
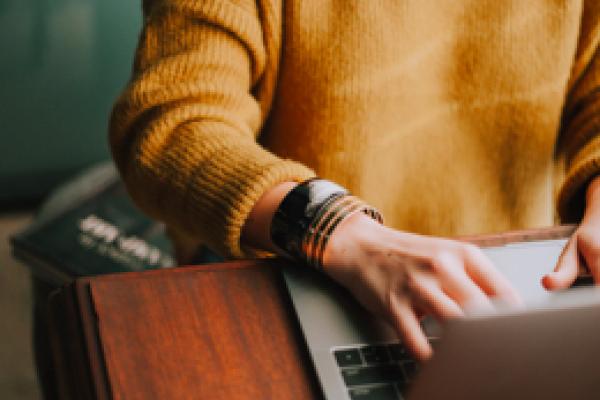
point(62, 64)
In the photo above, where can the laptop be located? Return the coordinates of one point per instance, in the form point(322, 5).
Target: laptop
point(550, 349)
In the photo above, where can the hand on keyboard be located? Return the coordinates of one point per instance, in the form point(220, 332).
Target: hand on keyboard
point(403, 276)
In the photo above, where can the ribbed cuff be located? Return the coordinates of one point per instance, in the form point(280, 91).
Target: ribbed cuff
point(222, 199)
point(243, 202)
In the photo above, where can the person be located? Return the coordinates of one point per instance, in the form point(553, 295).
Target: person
point(445, 117)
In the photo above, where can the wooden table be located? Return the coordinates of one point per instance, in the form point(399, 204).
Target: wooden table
point(221, 331)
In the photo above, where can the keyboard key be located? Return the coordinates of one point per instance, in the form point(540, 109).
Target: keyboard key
point(347, 358)
point(399, 352)
point(374, 393)
point(370, 375)
point(375, 354)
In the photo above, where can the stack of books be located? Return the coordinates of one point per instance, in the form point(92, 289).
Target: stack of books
point(90, 226)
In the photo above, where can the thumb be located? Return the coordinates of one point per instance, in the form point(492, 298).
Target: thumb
point(565, 272)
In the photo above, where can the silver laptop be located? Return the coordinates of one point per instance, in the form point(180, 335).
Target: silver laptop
point(549, 350)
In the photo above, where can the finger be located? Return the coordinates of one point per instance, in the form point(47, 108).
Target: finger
point(457, 284)
point(565, 271)
point(408, 326)
point(483, 272)
point(589, 247)
point(429, 296)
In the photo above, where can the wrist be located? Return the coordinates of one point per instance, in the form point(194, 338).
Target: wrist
point(256, 230)
point(308, 216)
point(592, 197)
point(352, 239)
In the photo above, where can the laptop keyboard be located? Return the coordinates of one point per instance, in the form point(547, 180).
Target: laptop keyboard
point(376, 372)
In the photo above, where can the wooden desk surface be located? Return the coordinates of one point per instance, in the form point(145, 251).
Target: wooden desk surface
point(222, 331)
point(212, 332)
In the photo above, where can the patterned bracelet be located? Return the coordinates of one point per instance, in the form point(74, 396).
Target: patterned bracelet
point(308, 215)
point(316, 238)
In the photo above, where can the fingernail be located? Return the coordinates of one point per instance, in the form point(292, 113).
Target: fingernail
point(545, 281)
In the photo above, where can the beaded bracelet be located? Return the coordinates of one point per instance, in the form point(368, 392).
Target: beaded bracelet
point(308, 215)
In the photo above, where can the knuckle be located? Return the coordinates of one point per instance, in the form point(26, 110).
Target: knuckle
point(442, 261)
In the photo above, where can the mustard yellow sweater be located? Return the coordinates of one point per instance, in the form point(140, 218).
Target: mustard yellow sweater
point(450, 116)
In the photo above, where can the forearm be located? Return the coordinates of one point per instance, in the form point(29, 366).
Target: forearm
point(184, 137)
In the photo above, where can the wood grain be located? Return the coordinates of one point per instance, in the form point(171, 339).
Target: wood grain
point(217, 332)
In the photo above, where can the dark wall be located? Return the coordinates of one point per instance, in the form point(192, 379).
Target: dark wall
point(62, 63)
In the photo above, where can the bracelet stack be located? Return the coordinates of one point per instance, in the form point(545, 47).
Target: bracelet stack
point(308, 216)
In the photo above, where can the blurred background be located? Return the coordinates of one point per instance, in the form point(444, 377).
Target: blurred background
point(63, 62)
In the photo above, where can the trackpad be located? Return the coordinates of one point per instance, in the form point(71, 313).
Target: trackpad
point(525, 263)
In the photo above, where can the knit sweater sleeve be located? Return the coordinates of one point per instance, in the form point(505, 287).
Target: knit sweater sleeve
point(183, 133)
point(579, 141)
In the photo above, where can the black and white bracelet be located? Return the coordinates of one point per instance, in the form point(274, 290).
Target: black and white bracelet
point(308, 215)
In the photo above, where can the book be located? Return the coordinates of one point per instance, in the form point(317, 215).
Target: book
point(90, 226)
